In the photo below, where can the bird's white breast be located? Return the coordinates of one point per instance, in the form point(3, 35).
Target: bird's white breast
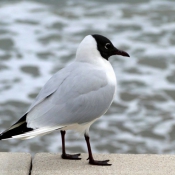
point(110, 74)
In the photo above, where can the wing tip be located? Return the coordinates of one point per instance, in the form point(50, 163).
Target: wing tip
point(20, 127)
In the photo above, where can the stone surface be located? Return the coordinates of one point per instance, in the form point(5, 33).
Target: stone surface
point(122, 164)
point(15, 163)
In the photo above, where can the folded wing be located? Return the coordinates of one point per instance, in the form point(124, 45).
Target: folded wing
point(83, 95)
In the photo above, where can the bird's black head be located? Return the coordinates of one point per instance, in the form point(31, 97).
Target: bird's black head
point(106, 48)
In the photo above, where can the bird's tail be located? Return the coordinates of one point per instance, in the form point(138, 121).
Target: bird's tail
point(20, 127)
point(19, 130)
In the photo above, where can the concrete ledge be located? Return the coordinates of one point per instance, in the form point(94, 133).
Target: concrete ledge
point(52, 164)
point(122, 164)
point(15, 163)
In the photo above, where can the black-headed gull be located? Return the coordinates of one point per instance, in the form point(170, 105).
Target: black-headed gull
point(74, 97)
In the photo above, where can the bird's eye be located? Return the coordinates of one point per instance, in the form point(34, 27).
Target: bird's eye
point(107, 46)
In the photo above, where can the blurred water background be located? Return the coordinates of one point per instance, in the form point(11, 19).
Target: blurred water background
point(37, 38)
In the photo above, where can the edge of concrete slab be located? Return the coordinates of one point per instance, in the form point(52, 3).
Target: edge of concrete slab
point(52, 164)
point(15, 163)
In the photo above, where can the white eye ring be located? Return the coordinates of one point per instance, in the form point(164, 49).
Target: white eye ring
point(106, 45)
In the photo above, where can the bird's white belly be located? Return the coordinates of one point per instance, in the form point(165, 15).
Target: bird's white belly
point(81, 128)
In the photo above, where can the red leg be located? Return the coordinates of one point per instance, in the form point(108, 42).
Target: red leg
point(91, 159)
point(64, 155)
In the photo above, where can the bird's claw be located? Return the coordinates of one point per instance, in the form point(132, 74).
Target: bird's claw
point(71, 156)
point(99, 163)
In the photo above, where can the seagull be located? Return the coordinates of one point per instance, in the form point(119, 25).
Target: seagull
point(74, 97)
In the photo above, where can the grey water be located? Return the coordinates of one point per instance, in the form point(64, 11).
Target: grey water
point(38, 38)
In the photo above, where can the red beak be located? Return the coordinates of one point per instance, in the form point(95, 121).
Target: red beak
point(121, 52)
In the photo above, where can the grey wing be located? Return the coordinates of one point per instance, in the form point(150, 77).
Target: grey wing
point(81, 97)
point(50, 87)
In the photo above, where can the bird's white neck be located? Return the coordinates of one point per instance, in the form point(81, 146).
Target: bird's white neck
point(87, 51)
